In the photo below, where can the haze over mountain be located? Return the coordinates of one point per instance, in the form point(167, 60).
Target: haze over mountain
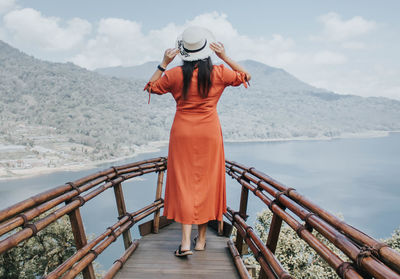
point(62, 113)
point(278, 78)
point(143, 71)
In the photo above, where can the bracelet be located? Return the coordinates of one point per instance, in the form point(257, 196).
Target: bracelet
point(160, 68)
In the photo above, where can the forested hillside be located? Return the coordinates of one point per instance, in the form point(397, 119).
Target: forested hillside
point(64, 107)
point(64, 113)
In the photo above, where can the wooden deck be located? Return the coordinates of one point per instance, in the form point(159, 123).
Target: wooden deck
point(154, 257)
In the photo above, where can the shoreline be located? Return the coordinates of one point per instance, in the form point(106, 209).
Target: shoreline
point(155, 146)
point(150, 147)
point(364, 135)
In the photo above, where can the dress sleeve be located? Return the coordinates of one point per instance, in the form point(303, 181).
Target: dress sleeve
point(160, 86)
point(234, 78)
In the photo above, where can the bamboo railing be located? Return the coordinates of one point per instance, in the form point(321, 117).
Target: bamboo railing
point(369, 257)
point(74, 195)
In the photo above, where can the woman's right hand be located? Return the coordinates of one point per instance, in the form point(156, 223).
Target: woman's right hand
point(219, 49)
point(169, 55)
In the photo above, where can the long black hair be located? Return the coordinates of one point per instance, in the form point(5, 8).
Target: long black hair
point(205, 67)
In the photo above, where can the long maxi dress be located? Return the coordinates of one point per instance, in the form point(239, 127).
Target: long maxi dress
point(195, 186)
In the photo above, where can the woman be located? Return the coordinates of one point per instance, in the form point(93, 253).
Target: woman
point(195, 187)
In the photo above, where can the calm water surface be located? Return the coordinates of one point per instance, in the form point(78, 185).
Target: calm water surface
point(358, 178)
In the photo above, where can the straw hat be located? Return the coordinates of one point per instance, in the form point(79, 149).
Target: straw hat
point(194, 43)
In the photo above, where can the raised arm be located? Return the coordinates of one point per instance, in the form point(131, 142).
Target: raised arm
point(169, 55)
point(219, 50)
point(158, 83)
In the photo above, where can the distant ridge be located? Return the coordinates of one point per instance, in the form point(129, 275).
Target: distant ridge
point(143, 71)
point(258, 70)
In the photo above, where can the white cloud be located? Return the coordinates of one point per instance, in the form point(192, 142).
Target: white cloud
point(29, 27)
point(122, 42)
point(329, 57)
point(336, 29)
point(371, 82)
point(353, 45)
point(275, 51)
point(6, 5)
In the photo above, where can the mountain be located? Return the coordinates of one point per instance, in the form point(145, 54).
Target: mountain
point(143, 71)
point(63, 113)
point(272, 77)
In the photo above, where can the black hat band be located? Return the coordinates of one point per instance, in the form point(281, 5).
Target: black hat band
point(194, 50)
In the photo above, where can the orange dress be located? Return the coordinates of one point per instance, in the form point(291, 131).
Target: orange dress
point(195, 188)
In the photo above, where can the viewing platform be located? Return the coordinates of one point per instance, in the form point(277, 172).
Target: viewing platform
point(152, 255)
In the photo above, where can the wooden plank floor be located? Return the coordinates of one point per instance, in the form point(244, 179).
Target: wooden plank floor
point(154, 257)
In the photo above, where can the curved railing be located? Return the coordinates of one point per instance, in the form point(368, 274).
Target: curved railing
point(25, 219)
point(369, 257)
point(74, 195)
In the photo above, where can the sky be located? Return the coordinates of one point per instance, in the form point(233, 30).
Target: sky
point(349, 47)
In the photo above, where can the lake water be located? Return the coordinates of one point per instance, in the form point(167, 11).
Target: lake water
point(357, 178)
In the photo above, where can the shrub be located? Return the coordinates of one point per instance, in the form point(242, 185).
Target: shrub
point(41, 254)
point(297, 257)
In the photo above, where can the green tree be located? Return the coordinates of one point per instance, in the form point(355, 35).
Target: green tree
point(40, 254)
point(394, 240)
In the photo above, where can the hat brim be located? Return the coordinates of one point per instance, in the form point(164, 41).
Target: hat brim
point(202, 54)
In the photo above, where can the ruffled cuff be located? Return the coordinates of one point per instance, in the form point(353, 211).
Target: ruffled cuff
point(243, 79)
point(148, 87)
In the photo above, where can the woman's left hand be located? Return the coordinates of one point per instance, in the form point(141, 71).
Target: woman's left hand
point(169, 55)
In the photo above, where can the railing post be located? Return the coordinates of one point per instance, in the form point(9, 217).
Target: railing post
point(274, 230)
point(221, 226)
point(156, 220)
point(121, 207)
point(80, 239)
point(262, 274)
point(273, 237)
point(243, 213)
